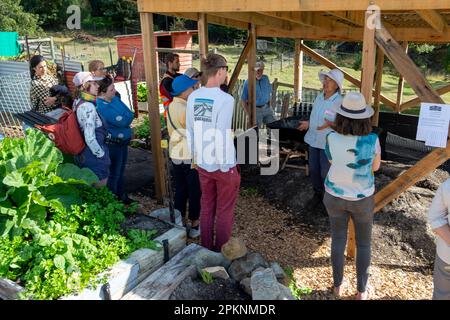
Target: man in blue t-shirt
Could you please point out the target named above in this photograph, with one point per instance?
(264, 113)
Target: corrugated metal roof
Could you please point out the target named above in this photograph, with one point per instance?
(13, 67)
(71, 65)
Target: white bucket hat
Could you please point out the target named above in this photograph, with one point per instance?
(354, 106)
(334, 74)
(259, 65)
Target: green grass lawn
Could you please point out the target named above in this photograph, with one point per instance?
(85, 52)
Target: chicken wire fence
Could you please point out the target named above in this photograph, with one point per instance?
(14, 98)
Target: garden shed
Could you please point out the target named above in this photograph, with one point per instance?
(130, 45)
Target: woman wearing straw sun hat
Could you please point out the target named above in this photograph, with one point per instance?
(355, 154)
(318, 126)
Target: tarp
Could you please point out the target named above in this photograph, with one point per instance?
(9, 46)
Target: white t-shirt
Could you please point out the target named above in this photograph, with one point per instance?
(209, 115)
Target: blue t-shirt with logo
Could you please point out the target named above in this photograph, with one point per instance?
(351, 176)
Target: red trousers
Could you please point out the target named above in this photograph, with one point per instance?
(219, 194)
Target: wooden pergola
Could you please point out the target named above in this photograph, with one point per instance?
(384, 26)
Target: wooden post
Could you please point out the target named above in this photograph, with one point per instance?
(202, 25)
(298, 70)
(148, 40)
(252, 76)
(401, 82)
(367, 73)
(239, 64)
(379, 78)
(273, 101)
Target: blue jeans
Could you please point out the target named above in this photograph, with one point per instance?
(118, 154)
(318, 168)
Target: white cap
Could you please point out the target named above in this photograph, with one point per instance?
(82, 77)
(259, 65)
(335, 75)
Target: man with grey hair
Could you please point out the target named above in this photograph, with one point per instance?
(264, 113)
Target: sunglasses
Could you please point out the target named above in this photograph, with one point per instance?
(226, 67)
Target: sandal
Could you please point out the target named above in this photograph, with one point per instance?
(366, 295)
(337, 291)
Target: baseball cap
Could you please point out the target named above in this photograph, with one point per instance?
(181, 84)
(193, 73)
(82, 77)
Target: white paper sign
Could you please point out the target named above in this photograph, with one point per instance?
(433, 124)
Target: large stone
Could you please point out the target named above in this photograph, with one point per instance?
(235, 248)
(217, 272)
(245, 285)
(285, 293)
(243, 267)
(278, 271)
(206, 258)
(264, 285)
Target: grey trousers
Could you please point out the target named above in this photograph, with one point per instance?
(441, 280)
(339, 212)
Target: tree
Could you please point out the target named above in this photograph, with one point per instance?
(120, 12)
(14, 18)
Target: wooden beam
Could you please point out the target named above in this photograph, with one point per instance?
(406, 67)
(252, 76)
(434, 19)
(378, 81)
(256, 19)
(239, 65)
(421, 169)
(302, 18)
(202, 25)
(368, 62)
(416, 101)
(285, 5)
(346, 33)
(425, 92)
(211, 19)
(401, 82)
(317, 57)
(355, 17)
(148, 41)
(298, 70)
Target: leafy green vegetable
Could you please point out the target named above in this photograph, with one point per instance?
(57, 233)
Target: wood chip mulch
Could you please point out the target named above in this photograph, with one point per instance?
(271, 232)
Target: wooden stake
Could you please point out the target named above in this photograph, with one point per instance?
(298, 70)
(239, 65)
(401, 82)
(379, 78)
(150, 63)
(252, 77)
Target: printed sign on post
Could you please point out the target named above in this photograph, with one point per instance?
(433, 124)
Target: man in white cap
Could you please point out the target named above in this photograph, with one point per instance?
(318, 126)
(264, 113)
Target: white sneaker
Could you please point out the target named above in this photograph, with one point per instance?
(194, 233)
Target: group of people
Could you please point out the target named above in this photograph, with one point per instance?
(344, 153)
(199, 115)
(104, 120)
